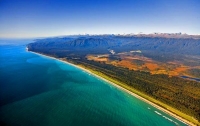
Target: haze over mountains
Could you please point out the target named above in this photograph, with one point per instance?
(162, 43)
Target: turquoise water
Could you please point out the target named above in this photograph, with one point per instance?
(40, 91)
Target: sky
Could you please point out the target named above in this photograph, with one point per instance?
(44, 18)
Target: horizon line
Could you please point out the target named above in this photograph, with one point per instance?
(88, 34)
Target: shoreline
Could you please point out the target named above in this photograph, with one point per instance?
(124, 89)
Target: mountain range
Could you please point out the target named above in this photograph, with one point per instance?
(100, 44)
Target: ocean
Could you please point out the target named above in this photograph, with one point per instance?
(39, 91)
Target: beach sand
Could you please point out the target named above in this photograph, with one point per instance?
(133, 94)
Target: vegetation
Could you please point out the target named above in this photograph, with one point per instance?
(195, 72)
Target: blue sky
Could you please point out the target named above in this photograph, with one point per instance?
(42, 18)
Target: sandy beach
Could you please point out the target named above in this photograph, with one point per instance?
(121, 88)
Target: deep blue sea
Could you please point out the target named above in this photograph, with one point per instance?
(40, 91)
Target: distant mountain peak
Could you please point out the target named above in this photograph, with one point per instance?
(162, 35)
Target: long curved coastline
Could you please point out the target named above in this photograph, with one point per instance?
(122, 88)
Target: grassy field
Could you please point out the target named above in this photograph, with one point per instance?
(142, 63)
